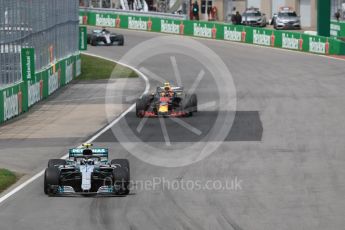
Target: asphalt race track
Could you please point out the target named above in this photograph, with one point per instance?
(284, 150)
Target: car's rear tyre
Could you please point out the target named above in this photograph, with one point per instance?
(123, 162)
(56, 162)
(190, 104)
(186, 106)
(194, 103)
(51, 178)
(121, 178)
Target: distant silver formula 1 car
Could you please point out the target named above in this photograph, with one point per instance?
(103, 36)
(87, 172)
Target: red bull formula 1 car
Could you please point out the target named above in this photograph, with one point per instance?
(167, 101)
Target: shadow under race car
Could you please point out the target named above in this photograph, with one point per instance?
(104, 36)
(162, 103)
(87, 172)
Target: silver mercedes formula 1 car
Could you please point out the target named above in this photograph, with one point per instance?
(105, 37)
(87, 172)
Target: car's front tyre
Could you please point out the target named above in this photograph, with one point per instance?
(139, 108)
(56, 162)
(93, 42)
(121, 41)
(51, 180)
(141, 105)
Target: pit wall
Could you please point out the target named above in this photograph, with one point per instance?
(220, 31)
(18, 98)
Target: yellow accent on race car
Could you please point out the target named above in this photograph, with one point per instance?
(87, 145)
(163, 109)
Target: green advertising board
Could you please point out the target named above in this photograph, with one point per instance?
(206, 30)
(100, 19)
(338, 29)
(287, 40)
(82, 38)
(171, 26)
(220, 31)
(13, 101)
(35, 86)
(234, 33)
(28, 63)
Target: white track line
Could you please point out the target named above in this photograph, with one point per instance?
(165, 131)
(176, 70)
(39, 174)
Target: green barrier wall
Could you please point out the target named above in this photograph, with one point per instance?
(258, 36)
(338, 29)
(18, 98)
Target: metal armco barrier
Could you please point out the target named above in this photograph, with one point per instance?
(213, 30)
(39, 51)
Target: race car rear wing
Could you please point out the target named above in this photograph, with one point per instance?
(174, 88)
(81, 152)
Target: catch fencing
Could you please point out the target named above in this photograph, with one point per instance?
(39, 51)
(338, 6)
(338, 24)
(49, 26)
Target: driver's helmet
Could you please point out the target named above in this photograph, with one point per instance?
(167, 86)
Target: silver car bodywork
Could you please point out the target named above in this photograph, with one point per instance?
(287, 20)
(254, 18)
(105, 37)
(87, 172)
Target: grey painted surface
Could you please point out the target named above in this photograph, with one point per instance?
(66, 118)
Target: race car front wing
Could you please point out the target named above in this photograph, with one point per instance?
(170, 114)
(69, 191)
